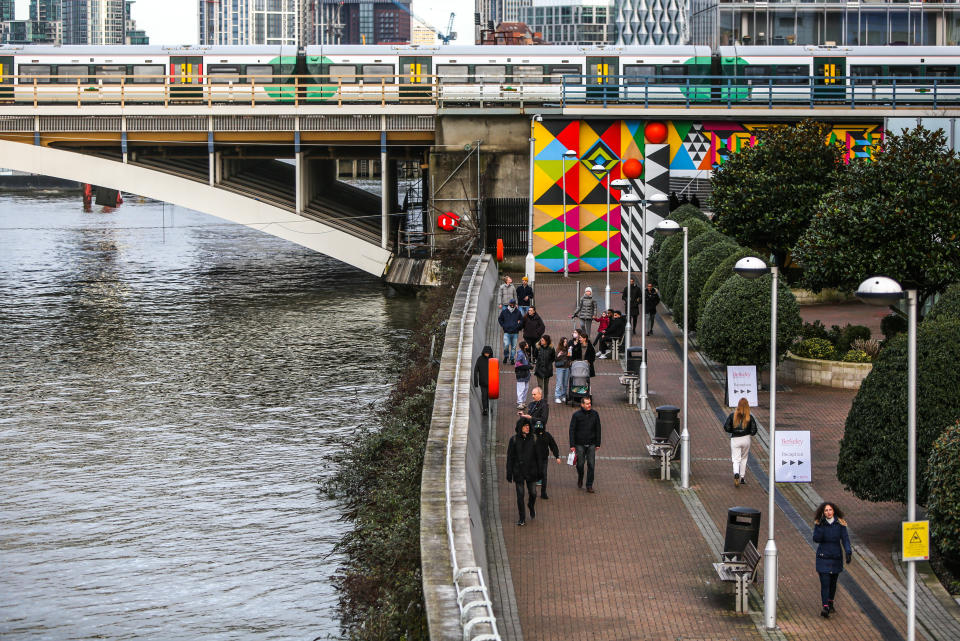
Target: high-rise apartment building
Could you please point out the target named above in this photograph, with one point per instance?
(7, 10)
(651, 22)
(132, 35)
(497, 11)
(250, 22)
(571, 22)
(93, 22)
(45, 16)
(358, 22)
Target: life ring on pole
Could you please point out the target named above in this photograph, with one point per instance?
(493, 378)
(499, 250)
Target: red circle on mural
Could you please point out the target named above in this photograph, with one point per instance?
(656, 132)
(632, 168)
(448, 221)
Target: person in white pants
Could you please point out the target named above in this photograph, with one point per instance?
(740, 426)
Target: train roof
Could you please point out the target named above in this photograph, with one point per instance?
(496, 50)
(813, 50)
(146, 50)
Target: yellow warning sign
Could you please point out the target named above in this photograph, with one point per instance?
(916, 540)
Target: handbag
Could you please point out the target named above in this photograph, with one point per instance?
(572, 458)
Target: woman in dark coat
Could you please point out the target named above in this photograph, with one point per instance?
(830, 532)
(583, 351)
(545, 356)
(533, 329)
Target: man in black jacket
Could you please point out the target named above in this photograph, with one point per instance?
(481, 376)
(652, 296)
(523, 468)
(545, 445)
(533, 329)
(538, 409)
(585, 439)
(615, 329)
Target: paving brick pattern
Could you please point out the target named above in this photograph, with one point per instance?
(632, 561)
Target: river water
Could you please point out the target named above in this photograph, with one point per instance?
(171, 390)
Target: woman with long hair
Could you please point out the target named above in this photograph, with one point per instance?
(740, 426)
(522, 369)
(562, 364)
(830, 533)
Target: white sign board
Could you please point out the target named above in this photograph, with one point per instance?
(742, 383)
(792, 457)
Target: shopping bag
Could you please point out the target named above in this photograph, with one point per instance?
(572, 458)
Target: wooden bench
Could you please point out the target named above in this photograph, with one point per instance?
(739, 568)
(664, 451)
(632, 383)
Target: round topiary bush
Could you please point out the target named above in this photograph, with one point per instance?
(856, 356)
(671, 251)
(948, 304)
(873, 451)
(734, 327)
(943, 467)
(819, 348)
(893, 324)
(673, 277)
(701, 268)
(721, 272)
(684, 212)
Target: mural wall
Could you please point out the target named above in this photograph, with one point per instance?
(570, 201)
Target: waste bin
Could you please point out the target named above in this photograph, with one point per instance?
(667, 421)
(634, 359)
(743, 524)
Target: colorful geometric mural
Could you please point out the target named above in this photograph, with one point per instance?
(570, 202)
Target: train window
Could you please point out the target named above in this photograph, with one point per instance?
(453, 74)
(259, 74)
(490, 73)
(144, 74)
(377, 74)
(38, 73)
(673, 71)
(528, 74)
(639, 74)
(756, 71)
(905, 74)
(948, 74)
(796, 75)
(557, 73)
(223, 74)
(345, 74)
(110, 74)
(865, 74)
(71, 73)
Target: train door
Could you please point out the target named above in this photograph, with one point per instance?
(6, 78)
(829, 79)
(186, 76)
(416, 79)
(602, 78)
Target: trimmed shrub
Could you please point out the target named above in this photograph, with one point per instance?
(844, 337)
(943, 467)
(673, 278)
(701, 268)
(948, 304)
(893, 324)
(816, 329)
(869, 345)
(856, 356)
(672, 252)
(719, 276)
(680, 214)
(873, 461)
(734, 328)
(818, 348)
(684, 212)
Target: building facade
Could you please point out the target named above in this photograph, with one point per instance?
(132, 35)
(7, 11)
(869, 22)
(651, 22)
(497, 11)
(93, 22)
(359, 22)
(571, 22)
(421, 34)
(250, 22)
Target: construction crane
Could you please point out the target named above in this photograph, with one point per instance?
(445, 37)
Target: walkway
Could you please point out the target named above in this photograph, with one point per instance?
(633, 560)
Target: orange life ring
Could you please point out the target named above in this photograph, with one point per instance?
(493, 378)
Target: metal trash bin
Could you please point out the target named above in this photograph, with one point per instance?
(743, 524)
(667, 421)
(634, 359)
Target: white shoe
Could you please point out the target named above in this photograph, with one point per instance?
(604, 355)
(557, 400)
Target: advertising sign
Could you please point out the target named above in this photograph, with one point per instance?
(916, 540)
(792, 457)
(742, 383)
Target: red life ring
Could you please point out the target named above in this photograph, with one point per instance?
(493, 378)
(500, 250)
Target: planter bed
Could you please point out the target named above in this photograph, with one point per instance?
(811, 371)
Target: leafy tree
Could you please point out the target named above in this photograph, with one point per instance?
(765, 196)
(719, 276)
(873, 451)
(898, 216)
(701, 268)
(948, 305)
(734, 328)
(944, 467)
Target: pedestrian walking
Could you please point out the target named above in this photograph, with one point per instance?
(533, 328)
(586, 310)
(652, 299)
(740, 426)
(546, 355)
(506, 291)
(522, 369)
(584, 351)
(830, 533)
(523, 468)
(510, 321)
(562, 365)
(524, 295)
(585, 439)
(546, 445)
(481, 377)
(538, 411)
(632, 305)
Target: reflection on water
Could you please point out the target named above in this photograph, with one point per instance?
(169, 398)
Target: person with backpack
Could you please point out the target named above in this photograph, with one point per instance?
(510, 322)
(521, 369)
(523, 468)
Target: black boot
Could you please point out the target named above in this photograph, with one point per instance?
(825, 612)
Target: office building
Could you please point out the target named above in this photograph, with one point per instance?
(45, 16)
(7, 11)
(250, 22)
(359, 22)
(497, 11)
(92, 22)
(651, 22)
(571, 22)
(132, 35)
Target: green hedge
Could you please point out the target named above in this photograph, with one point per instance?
(948, 304)
(873, 451)
(818, 348)
(719, 276)
(674, 273)
(672, 264)
(893, 324)
(734, 328)
(701, 268)
(681, 214)
(944, 506)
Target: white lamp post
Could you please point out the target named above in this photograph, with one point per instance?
(627, 200)
(654, 199)
(599, 170)
(751, 267)
(531, 261)
(669, 228)
(569, 153)
(880, 290)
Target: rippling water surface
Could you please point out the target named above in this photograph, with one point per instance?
(171, 390)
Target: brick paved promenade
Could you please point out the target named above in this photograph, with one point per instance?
(633, 560)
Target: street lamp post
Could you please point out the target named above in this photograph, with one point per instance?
(530, 267)
(599, 170)
(669, 228)
(569, 153)
(751, 267)
(880, 290)
(654, 199)
(628, 200)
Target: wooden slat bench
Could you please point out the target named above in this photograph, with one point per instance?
(739, 568)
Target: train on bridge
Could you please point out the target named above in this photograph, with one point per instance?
(482, 75)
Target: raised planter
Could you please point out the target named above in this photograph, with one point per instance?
(810, 371)
(807, 297)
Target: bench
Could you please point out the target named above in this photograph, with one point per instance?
(632, 383)
(615, 346)
(739, 568)
(664, 451)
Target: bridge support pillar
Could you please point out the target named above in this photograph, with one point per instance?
(300, 184)
(385, 192)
